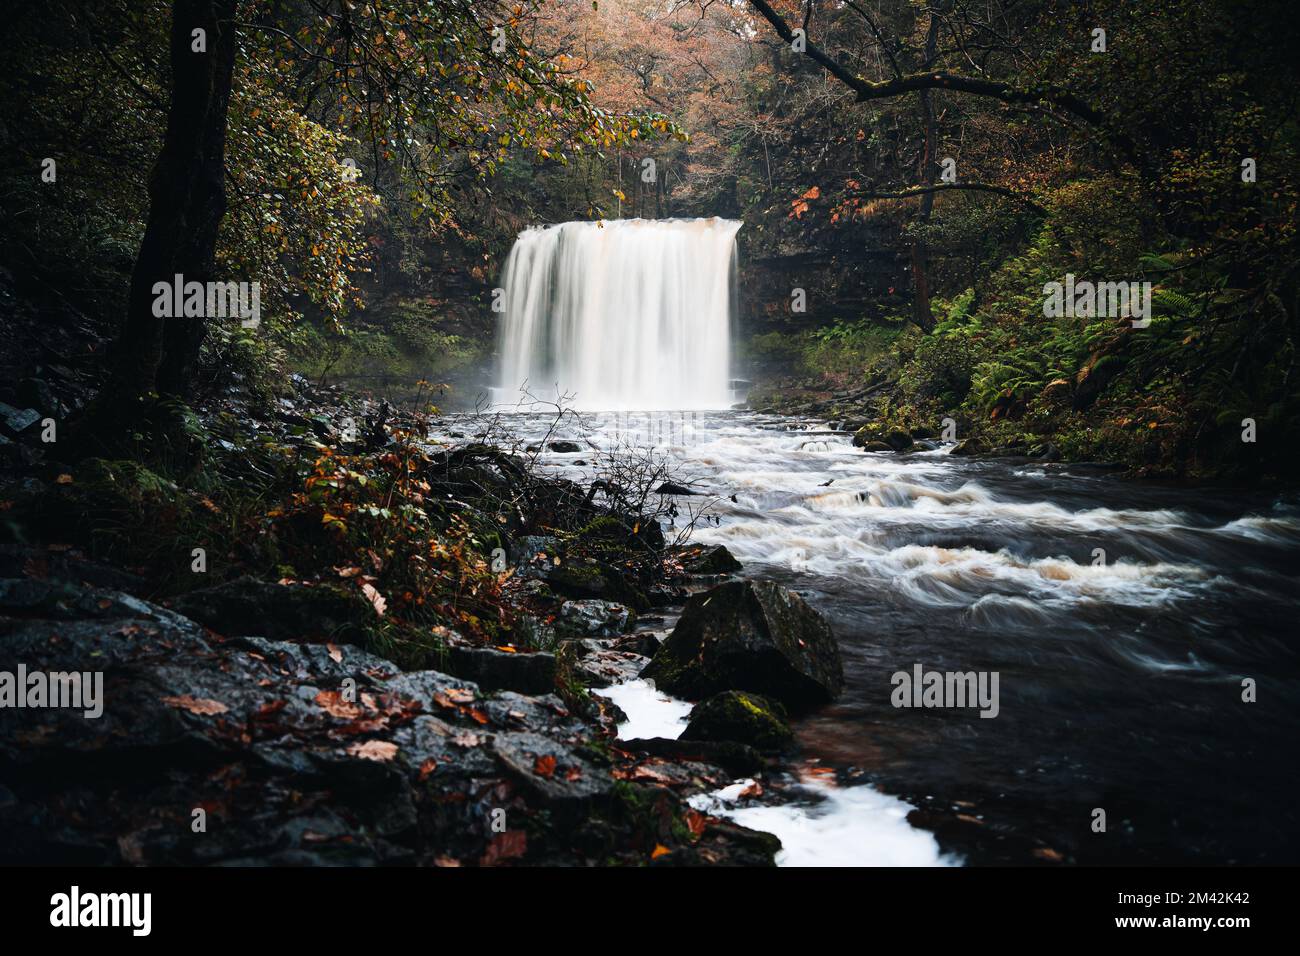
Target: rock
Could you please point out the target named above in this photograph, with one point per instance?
(564, 447)
(969, 446)
(289, 768)
(871, 437)
(15, 421)
(925, 444)
(589, 578)
(705, 559)
(672, 488)
(738, 760)
(743, 718)
(1045, 452)
(247, 606)
(493, 669)
(36, 393)
(750, 635)
(552, 771)
(595, 618)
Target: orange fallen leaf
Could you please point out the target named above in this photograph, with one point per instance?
(545, 766)
(376, 599)
(380, 750)
(505, 846)
(659, 850)
(196, 705)
(336, 655)
(332, 702)
(696, 822)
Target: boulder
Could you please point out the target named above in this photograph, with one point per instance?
(894, 439)
(706, 559)
(969, 446)
(564, 447)
(494, 669)
(750, 635)
(595, 618)
(247, 606)
(740, 717)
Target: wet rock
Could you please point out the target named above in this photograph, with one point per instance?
(564, 447)
(15, 421)
(552, 771)
(672, 488)
(737, 759)
(895, 439)
(596, 664)
(591, 578)
(741, 717)
(750, 635)
(877, 446)
(595, 618)
(1045, 452)
(969, 446)
(247, 606)
(493, 669)
(705, 559)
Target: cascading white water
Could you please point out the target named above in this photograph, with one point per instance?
(629, 314)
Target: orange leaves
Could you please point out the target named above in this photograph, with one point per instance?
(332, 702)
(378, 750)
(800, 205)
(544, 766)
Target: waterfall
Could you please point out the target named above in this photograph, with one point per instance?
(629, 314)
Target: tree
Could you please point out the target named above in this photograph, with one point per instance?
(436, 92)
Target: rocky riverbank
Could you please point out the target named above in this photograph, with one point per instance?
(325, 639)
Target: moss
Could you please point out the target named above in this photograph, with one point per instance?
(743, 718)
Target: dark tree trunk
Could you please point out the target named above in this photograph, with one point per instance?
(187, 200)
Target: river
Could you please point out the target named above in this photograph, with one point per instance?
(1121, 617)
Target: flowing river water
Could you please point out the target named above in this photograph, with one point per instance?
(1121, 617)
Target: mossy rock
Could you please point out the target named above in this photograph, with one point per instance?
(741, 717)
(293, 612)
(750, 635)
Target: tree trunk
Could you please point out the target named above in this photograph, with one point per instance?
(187, 200)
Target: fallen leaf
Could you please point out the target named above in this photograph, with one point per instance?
(336, 655)
(505, 846)
(545, 766)
(696, 822)
(332, 702)
(196, 705)
(376, 599)
(380, 750)
(428, 767)
(660, 850)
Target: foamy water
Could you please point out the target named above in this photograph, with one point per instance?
(1122, 617)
